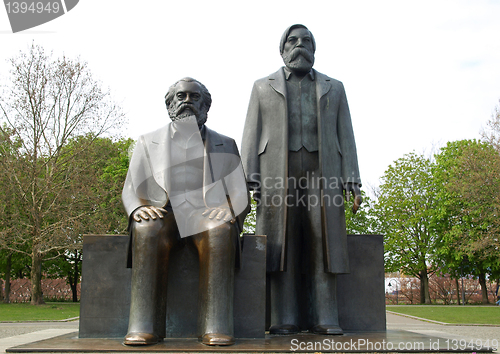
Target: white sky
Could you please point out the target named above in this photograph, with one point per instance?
(417, 73)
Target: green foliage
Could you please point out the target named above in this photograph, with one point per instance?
(105, 163)
(52, 112)
(18, 264)
(365, 221)
(250, 220)
(468, 174)
(405, 207)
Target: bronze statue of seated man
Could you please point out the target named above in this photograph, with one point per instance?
(184, 181)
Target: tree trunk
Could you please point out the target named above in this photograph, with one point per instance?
(73, 279)
(76, 276)
(425, 297)
(484, 289)
(422, 290)
(496, 296)
(8, 268)
(457, 286)
(36, 278)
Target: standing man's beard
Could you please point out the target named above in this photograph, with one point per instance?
(299, 59)
(186, 110)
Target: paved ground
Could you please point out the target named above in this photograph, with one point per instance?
(467, 333)
(12, 334)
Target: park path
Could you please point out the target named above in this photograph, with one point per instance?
(12, 334)
(467, 333)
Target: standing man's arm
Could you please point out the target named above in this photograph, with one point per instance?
(251, 141)
(350, 170)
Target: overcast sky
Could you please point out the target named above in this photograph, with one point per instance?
(417, 73)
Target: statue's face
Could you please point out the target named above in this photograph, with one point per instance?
(187, 100)
(298, 52)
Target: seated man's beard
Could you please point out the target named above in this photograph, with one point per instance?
(299, 59)
(187, 110)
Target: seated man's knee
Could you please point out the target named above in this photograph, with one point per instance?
(148, 228)
(221, 236)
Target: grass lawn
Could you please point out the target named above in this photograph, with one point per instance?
(452, 314)
(51, 311)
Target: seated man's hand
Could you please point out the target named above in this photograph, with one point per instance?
(146, 212)
(219, 214)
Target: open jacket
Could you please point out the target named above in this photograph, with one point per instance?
(147, 181)
(265, 155)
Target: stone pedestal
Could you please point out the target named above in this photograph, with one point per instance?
(105, 297)
(361, 293)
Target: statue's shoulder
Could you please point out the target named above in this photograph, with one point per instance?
(156, 135)
(264, 82)
(327, 78)
(218, 137)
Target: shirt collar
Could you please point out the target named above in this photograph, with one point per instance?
(174, 131)
(288, 73)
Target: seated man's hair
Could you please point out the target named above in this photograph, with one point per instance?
(207, 98)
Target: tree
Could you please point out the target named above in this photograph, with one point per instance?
(9, 261)
(491, 134)
(106, 164)
(365, 220)
(48, 102)
(405, 208)
(468, 175)
(251, 218)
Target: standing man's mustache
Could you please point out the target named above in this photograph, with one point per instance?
(301, 51)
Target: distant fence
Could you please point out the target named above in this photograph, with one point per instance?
(52, 289)
(443, 290)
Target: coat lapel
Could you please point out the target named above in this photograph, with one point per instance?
(159, 151)
(214, 148)
(323, 84)
(277, 82)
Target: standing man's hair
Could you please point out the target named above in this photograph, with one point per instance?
(285, 35)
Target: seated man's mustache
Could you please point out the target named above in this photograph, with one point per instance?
(301, 51)
(184, 106)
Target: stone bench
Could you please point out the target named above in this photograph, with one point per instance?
(105, 294)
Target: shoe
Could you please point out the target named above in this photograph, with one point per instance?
(217, 339)
(284, 329)
(327, 329)
(135, 338)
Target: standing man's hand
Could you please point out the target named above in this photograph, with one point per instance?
(353, 188)
(147, 212)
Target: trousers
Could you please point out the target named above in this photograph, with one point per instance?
(304, 295)
(152, 242)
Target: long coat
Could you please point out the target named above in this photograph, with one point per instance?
(265, 161)
(147, 179)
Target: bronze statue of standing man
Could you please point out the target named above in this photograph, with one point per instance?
(299, 156)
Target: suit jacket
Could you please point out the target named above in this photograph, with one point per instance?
(147, 179)
(265, 161)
